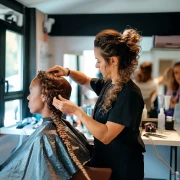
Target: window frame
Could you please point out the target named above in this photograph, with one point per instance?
(21, 95)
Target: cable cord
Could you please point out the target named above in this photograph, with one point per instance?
(176, 173)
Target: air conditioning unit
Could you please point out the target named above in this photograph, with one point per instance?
(167, 41)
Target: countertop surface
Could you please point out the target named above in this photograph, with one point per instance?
(172, 137)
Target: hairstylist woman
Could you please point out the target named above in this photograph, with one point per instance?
(117, 114)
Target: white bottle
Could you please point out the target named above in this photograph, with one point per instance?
(161, 121)
(144, 113)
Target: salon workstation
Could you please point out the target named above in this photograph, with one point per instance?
(42, 35)
(169, 139)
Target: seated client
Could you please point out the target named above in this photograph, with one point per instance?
(55, 150)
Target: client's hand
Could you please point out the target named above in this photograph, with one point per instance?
(64, 105)
(58, 71)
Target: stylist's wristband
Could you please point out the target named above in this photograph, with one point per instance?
(68, 72)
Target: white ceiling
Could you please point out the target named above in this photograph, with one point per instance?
(102, 6)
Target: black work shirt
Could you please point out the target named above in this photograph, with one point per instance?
(127, 147)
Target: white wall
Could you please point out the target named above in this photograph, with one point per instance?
(77, 44)
(61, 45)
(43, 49)
(69, 45)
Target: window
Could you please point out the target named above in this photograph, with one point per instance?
(11, 66)
(13, 75)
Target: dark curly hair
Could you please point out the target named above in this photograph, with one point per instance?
(126, 47)
(52, 87)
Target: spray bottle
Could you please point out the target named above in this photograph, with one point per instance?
(161, 121)
(144, 113)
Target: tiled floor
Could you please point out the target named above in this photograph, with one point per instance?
(153, 179)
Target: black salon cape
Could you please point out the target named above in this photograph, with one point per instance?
(43, 156)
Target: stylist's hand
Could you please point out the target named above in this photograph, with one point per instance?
(64, 105)
(58, 71)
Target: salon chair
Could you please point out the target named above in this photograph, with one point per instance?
(94, 173)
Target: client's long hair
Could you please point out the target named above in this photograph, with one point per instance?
(52, 87)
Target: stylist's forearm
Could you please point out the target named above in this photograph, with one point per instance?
(98, 130)
(79, 77)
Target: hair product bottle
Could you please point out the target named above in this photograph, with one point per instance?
(161, 121)
(144, 113)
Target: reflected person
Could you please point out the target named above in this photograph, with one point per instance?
(174, 85)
